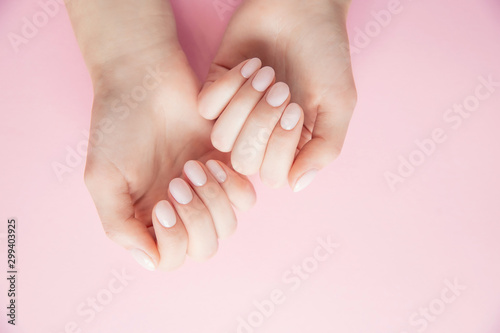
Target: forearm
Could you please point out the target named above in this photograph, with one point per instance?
(110, 32)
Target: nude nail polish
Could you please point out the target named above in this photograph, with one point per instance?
(278, 94)
(143, 259)
(165, 214)
(181, 191)
(250, 67)
(217, 171)
(195, 173)
(263, 79)
(291, 117)
(305, 180)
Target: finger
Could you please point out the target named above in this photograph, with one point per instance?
(213, 196)
(231, 121)
(330, 129)
(305, 137)
(238, 188)
(202, 242)
(109, 190)
(282, 147)
(250, 146)
(171, 236)
(215, 96)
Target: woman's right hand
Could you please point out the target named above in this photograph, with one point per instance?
(145, 127)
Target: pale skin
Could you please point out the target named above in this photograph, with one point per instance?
(255, 121)
(146, 169)
(305, 42)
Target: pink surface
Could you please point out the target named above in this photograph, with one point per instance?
(398, 249)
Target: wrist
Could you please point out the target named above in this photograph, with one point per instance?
(126, 69)
(342, 3)
(122, 33)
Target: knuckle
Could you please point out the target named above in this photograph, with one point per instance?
(331, 152)
(248, 201)
(219, 141)
(90, 176)
(351, 99)
(335, 152)
(172, 265)
(272, 181)
(230, 228)
(205, 255)
(245, 161)
(210, 253)
(110, 233)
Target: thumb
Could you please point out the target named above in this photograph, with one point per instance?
(214, 97)
(111, 196)
(329, 132)
(221, 86)
(215, 72)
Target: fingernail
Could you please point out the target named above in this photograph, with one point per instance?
(195, 173)
(291, 117)
(263, 79)
(165, 214)
(180, 191)
(278, 94)
(217, 171)
(250, 67)
(143, 259)
(305, 180)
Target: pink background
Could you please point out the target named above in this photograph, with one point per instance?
(397, 248)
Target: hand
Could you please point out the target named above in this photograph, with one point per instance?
(305, 43)
(144, 128)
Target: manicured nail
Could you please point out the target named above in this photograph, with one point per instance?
(143, 259)
(291, 117)
(180, 191)
(263, 79)
(305, 180)
(250, 67)
(217, 171)
(278, 94)
(165, 214)
(195, 173)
